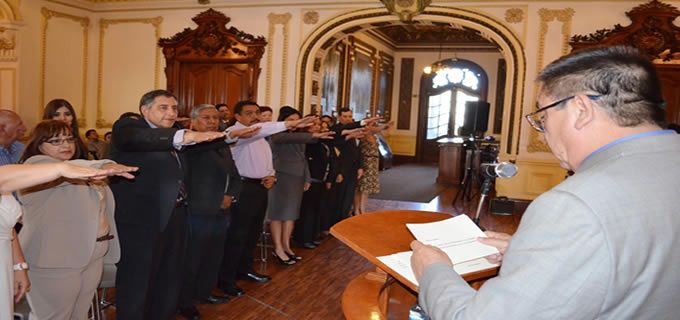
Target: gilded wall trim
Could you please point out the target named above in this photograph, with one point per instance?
(7, 45)
(274, 19)
(14, 86)
(103, 25)
(48, 14)
(536, 144)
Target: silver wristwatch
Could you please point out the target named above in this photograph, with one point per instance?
(20, 266)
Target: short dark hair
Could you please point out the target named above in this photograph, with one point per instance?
(287, 111)
(148, 98)
(345, 109)
(44, 131)
(220, 105)
(265, 109)
(625, 79)
(134, 115)
(87, 133)
(239, 105)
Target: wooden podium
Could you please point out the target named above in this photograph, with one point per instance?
(376, 295)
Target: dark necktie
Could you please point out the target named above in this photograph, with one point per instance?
(182, 194)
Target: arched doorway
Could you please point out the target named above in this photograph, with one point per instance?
(315, 47)
(443, 100)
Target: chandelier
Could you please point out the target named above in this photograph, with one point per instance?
(406, 9)
(438, 67)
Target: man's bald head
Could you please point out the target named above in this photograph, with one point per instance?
(11, 127)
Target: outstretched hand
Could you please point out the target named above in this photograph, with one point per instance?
(191, 137)
(72, 171)
(324, 135)
(301, 123)
(246, 132)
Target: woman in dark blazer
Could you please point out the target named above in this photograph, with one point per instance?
(321, 160)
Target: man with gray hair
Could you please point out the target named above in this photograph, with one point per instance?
(151, 210)
(604, 243)
(11, 130)
(214, 183)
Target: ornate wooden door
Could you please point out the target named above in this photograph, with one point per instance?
(212, 64)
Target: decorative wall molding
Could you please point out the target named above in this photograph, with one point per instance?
(274, 19)
(7, 45)
(514, 15)
(103, 25)
(536, 144)
(13, 90)
(310, 17)
(48, 14)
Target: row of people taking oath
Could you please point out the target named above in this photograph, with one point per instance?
(193, 188)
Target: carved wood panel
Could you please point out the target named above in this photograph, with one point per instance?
(653, 32)
(212, 64)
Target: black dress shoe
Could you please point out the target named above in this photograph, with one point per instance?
(232, 290)
(214, 299)
(309, 245)
(286, 262)
(190, 313)
(294, 257)
(254, 276)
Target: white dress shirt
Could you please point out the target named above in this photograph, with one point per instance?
(253, 156)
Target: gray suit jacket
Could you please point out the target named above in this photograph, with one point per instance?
(603, 244)
(61, 220)
(288, 151)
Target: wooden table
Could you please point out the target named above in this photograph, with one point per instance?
(378, 234)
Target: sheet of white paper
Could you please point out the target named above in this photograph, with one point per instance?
(456, 236)
(400, 262)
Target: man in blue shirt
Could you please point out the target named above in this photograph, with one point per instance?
(11, 130)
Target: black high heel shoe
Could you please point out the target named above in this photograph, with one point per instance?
(288, 262)
(294, 257)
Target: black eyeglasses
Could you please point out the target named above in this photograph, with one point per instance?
(57, 142)
(536, 118)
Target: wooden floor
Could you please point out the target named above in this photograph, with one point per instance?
(312, 288)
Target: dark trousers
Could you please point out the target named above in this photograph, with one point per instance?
(148, 278)
(328, 202)
(247, 217)
(308, 226)
(205, 248)
(345, 196)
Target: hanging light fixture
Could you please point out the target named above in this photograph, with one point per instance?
(406, 9)
(437, 67)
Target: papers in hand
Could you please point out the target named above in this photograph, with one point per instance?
(456, 236)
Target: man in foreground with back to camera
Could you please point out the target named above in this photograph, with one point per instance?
(603, 243)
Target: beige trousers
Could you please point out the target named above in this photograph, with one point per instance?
(63, 294)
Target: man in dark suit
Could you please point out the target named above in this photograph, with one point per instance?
(151, 212)
(349, 161)
(214, 183)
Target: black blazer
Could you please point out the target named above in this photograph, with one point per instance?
(149, 199)
(321, 160)
(350, 153)
(210, 169)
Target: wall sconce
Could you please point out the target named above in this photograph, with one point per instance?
(406, 9)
